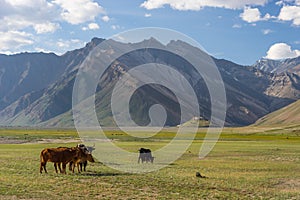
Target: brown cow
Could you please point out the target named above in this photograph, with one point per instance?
(82, 162)
(60, 155)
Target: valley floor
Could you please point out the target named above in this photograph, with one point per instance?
(246, 163)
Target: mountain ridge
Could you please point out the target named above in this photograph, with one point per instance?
(291, 65)
(251, 92)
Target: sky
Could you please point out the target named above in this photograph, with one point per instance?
(242, 31)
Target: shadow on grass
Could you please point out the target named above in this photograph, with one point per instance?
(99, 174)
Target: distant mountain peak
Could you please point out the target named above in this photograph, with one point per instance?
(94, 42)
(291, 65)
(152, 40)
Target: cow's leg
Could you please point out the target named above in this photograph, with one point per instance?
(78, 167)
(84, 165)
(45, 168)
(149, 157)
(71, 165)
(41, 168)
(143, 157)
(139, 158)
(81, 166)
(64, 167)
(43, 165)
(55, 167)
(59, 168)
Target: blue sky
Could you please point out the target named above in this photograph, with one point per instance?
(242, 31)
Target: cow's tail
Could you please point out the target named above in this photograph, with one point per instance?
(41, 157)
(41, 162)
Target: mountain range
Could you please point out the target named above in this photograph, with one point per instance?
(36, 88)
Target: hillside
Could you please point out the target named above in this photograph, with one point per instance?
(29, 99)
(287, 116)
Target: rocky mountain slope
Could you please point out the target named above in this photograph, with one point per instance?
(27, 72)
(291, 65)
(36, 88)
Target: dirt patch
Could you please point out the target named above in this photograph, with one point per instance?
(289, 184)
(12, 141)
(45, 141)
(5, 140)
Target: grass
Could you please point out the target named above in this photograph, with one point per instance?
(258, 164)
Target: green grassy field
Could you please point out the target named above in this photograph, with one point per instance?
(246, 163)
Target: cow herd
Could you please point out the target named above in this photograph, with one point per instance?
(61, 156)
(78, 157)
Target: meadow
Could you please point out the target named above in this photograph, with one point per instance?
(246, 163)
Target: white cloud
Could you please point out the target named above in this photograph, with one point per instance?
(147, 15)
(19, 14)
(46, 27)
(38, 49)
(290, 13)
(105, 18)
(17, 17)
(279, 3)
(115, 27)
(79, 11)
(251, 15)
(66, 44)
(268, 16)
(237, 26)
(281, 51)
(199, 4)
(91, 26)
(19, 2)
(13, 40)
(286, 2)
(62, 44)
(23, 20)
(266, 31)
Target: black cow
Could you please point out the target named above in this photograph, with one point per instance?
(145, 155)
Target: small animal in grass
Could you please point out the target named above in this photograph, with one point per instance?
(198, 175)
(145, 155)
